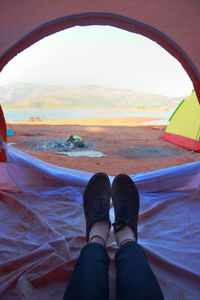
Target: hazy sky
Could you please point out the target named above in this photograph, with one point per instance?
(100, 55)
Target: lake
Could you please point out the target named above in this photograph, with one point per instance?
(24, 115)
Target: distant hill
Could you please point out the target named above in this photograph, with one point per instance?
(35, 96)
(19, 91)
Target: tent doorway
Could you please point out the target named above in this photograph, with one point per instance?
(129, 152)
(106, 19)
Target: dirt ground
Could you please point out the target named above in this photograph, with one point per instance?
(129, 146)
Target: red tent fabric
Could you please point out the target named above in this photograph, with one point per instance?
(172, 24)
(3, 135)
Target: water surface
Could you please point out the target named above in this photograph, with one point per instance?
(24, 115)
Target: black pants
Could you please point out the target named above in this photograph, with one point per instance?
(134, 277)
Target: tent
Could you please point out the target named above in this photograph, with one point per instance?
(41, 213)
(5, 129)
(3, 136)
(184, 124)
(43, 227)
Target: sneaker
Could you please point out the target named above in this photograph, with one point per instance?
(125, 198)
(96, 201)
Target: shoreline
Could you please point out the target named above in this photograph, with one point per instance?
(97, 109)
(115, 121)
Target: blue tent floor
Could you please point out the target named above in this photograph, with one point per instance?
(42, 222)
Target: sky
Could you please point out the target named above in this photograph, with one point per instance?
(99, 55)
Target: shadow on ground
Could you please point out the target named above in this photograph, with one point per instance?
(149, 152)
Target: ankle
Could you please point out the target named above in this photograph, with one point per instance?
(124, 235)
(97, 239)
(99, 233)
(125, 241)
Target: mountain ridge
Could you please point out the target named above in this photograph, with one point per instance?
(37, 96)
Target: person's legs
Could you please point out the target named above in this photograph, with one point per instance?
(89, 280)
(134, 277)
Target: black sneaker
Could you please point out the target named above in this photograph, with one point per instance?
(125, 198)
(96, 201)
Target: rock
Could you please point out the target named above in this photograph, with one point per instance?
(79, 144)
(70, 144)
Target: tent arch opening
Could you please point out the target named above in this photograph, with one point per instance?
(106, 19)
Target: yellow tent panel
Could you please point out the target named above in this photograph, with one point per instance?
(184, 125)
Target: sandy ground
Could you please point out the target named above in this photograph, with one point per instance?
(130, 147)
